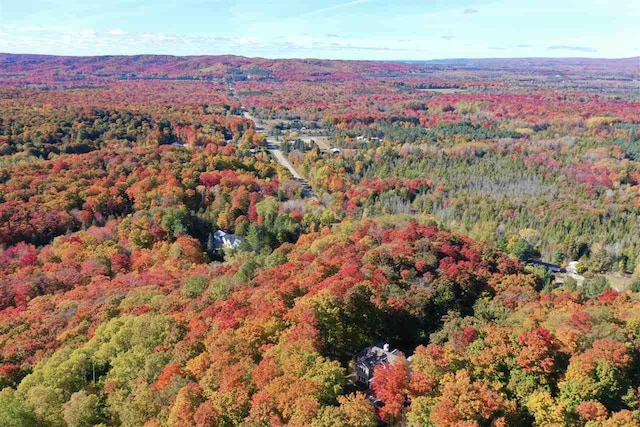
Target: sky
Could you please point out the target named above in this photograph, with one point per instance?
(333, 29)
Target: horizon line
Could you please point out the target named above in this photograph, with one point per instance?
(330, 59)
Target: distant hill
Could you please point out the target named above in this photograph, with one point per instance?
(240, 68)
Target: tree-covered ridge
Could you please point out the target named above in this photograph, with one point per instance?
(176, 342)
(200, 328)
(40, 122)
(529, 73)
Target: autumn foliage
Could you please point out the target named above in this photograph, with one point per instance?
(118, 306)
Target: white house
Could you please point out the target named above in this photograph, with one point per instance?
(222, 239)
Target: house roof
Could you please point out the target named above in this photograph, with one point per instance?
(219, 234)
(225, 239)
(376, 355)
(551, 267)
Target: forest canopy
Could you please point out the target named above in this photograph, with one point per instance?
(161, 265)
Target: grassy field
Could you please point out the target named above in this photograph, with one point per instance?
(618, 281)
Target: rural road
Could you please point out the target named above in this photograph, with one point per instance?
(272, 146)
(274, 150)
(277, 154)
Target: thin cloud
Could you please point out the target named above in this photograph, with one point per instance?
(573, 48)
(337, 36)
(471, 10)
(448, 37)
(336, 46)
(335, 7)
(524, 45)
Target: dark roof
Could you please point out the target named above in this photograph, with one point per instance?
(376, 355)
(551, 267)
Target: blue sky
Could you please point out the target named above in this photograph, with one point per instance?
(340, 29)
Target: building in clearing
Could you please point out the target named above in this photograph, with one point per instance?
(222, 239)
(551, 267)
(369, 358)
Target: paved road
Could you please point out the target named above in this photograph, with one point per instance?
(274, 149)
(282, 159)
(256, 123)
